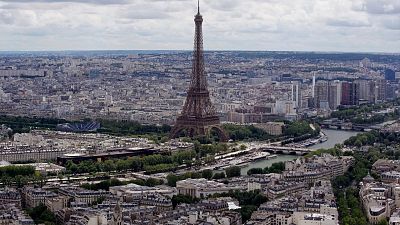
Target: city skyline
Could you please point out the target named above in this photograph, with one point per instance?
(345, 26)
(160, 137)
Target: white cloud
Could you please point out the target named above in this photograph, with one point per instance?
(316, 25)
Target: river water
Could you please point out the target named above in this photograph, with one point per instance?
(334, 137)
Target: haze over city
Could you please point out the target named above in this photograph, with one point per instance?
(287, 25)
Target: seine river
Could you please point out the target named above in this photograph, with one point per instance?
(334, 137)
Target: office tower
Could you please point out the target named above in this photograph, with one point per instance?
(380, 90)
(198, 116)
(335, 94)
(296, 95)
(350, 93)
(390, 75)
(313, 85)
(321, 94)
(367, 90)
(391, 91)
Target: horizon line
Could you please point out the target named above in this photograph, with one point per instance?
(211, 50)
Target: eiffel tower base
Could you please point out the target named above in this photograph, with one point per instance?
(196, 128)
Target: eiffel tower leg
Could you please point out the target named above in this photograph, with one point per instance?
(192, 132)
(175, 131)
(220, 132)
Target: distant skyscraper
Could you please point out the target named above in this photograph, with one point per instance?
(350, 93)
(367, 90)
(380, 90)
(313, 85)
(390, 75)
(335, 94)
(391, 91)
(198, 116)
(321, 94)
(296, 95)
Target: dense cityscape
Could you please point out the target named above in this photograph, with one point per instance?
(151, 87)
(199, 138)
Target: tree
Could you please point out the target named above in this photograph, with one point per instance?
(238, 132)
(41, 214)
(249, 201)
(298, 128)
(17, 170)
(277, 167)
(41, 179)
(21, 181)
(255, 171)
(178, 199)
(71, 167)
(233, 171)
(151, 182)
(172, 179)
(207, 174)
(135, 164)
(341, 181)
(383, 222)
(218, 176)
(122, 165)
(109, 166)
(246, 211)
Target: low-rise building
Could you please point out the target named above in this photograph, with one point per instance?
(301, 218)
(314, 206)
(201, 188)
(278, 188)
(211, 218)
(159, 201)
(316, 168)
(386, 165)
(26, 153)
(57, 203)
(92, 218)
(10, 196)
(78, 194)
(35, 196)
(390, 177)
(10, 214)
(377, 202)
(395, 218)
(134, 192)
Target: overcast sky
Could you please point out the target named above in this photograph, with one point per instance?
(300, 25)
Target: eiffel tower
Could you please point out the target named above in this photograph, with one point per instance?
(198, 117)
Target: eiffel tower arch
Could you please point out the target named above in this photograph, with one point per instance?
(198, 117)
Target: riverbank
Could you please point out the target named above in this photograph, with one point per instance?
(267, 162)
(322, 137)
(333, 137)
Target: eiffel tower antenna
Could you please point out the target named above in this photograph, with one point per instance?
(198, 117)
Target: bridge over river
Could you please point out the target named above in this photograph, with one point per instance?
(283, 149)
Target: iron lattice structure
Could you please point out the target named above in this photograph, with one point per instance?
(198, 117)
